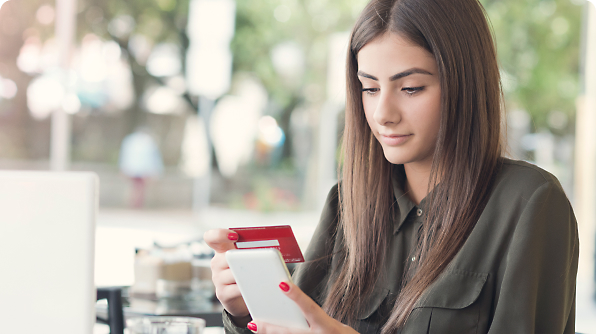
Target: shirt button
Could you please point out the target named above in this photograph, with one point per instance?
(419, 212)
(413, 258)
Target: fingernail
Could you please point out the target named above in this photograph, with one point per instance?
(252, 326)
(284, 286)
(233, 236)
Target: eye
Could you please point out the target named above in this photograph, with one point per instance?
(412, 90)
(370, 91)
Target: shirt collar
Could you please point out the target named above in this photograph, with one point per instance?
(404, 204)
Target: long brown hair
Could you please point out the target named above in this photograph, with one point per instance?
(465, 160)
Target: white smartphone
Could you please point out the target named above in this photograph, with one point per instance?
(258, 273)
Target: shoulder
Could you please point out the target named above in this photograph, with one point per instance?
(531, 208)
(312, 275)
(522, 179)
(333, 195)
(330, 214)
(525, 173)
(324, 238)
(527, 212)
(523, 191)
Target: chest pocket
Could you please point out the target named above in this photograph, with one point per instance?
(372, 304)
(450, 305)
(369, 315)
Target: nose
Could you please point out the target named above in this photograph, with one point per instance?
(386, 111)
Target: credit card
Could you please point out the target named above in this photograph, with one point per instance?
(279, 237)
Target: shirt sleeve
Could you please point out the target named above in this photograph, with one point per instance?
(230, 327)
(312, 275)
(537, 283)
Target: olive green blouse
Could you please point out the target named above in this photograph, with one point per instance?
(515, 273)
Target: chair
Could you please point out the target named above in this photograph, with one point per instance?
(115, 318)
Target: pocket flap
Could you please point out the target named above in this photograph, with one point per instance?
(373, 303)
(454, 289)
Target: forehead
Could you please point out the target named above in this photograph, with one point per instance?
(391, 53)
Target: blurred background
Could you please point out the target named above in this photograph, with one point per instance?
(263, 79)
(217, 113)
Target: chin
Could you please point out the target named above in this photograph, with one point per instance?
(395, 159)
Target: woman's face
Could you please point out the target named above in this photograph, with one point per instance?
(402, 98)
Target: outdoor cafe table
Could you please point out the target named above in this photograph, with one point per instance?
(136, 306)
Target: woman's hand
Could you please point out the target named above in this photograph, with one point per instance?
(226, 290)
(318, 320)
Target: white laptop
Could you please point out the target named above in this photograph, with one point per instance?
(47, 238)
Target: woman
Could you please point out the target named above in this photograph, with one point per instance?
(430, 230)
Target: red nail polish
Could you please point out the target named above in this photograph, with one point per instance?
(252, 326)
(233, 236)
(284, 286)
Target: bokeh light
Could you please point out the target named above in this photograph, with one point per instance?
(8, 89)
(164, 60)
(163, 100)
(30, 56)
(45, 14)
(44, 95)
(269, 132)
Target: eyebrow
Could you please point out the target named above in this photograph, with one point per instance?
(396, 76)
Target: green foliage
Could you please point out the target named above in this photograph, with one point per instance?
(538, 44)
(159, 20)
(309, 23)
(538, 47)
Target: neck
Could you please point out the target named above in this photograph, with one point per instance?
(417, 178)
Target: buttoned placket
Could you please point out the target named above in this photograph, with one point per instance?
(415, 219)
(418, 220)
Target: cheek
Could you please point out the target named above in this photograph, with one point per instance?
(434, 124)
(429, 114)
(435, 107)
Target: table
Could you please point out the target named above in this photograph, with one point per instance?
(134, 306)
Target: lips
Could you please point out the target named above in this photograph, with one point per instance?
(395, 139)
(394, 135)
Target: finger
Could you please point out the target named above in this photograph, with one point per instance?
(228, 293)
(224, 277)
(220, 239)
(265, 328)
(311, 310)
(219, 262)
